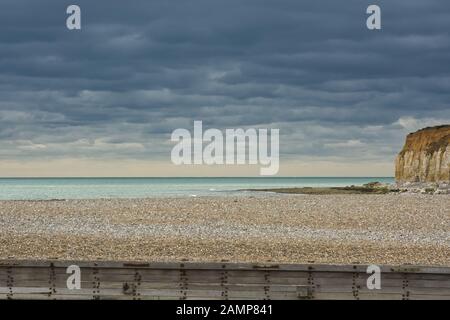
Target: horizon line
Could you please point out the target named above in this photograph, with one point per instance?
(189, 177)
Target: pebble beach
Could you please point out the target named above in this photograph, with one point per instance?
(331, 229)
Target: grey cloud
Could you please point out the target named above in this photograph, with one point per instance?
(138, 70)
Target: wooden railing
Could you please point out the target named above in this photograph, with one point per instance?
(188, 280)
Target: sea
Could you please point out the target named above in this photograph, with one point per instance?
(97, 188)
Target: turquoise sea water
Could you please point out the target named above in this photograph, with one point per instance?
(92, 188)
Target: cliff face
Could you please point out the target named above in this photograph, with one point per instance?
(425, 156)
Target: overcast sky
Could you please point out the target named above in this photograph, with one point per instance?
(342, 96)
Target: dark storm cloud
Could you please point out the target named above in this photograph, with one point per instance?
(139, 69)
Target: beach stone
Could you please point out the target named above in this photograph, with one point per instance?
(394, 228)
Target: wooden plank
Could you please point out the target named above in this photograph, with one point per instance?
(161, 280)
(228, 265)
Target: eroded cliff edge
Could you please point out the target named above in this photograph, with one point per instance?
(425, 156)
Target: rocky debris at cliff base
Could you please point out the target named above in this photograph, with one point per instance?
(368, 188)
(424, 187)
(410, 187)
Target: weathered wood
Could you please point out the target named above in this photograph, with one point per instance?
(192, 280)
